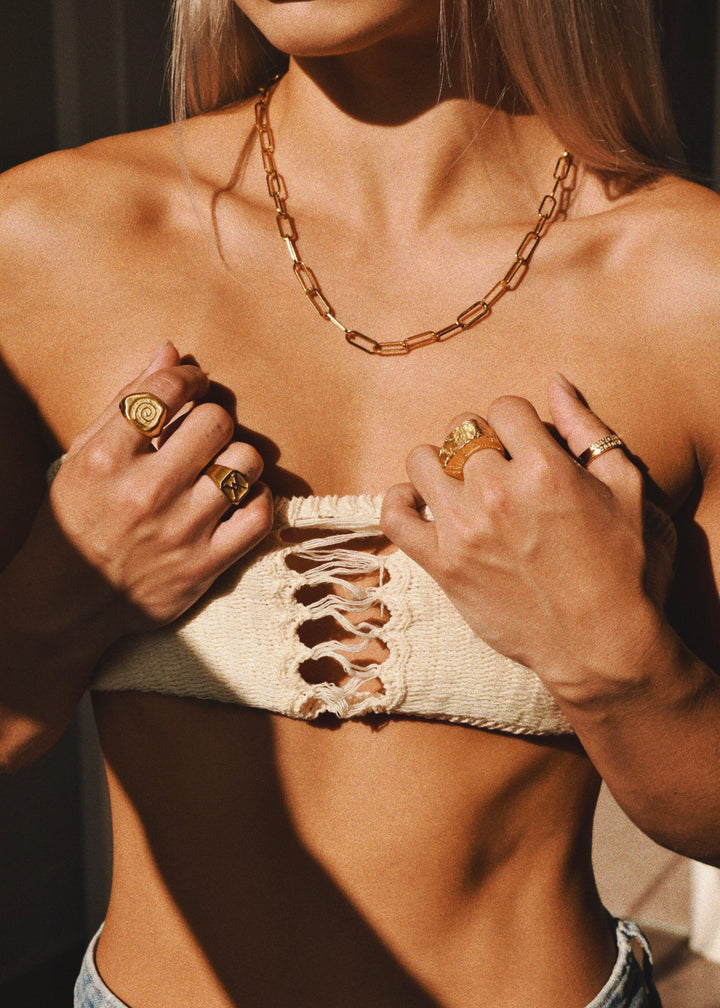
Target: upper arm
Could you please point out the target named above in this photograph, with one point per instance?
(695, 598)
(70, 223)
(36, 224)
(25, 444)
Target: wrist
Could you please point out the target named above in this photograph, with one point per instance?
(639, 659)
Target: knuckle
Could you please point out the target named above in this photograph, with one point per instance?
(242, 456)
(390, 521)
(413, 457)
(506, 403)
(253, 461)
(539, 469)
(461, 418)
(421, 459)
(137, 500)
(495, 498)
(467, 532)
(217, 419)
(171, 386)
(97, 459)
(260, 512)
(506, 408)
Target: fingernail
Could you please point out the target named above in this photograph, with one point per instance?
(564, 383)
(158, 353)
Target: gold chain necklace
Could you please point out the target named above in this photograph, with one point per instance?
(467, 318)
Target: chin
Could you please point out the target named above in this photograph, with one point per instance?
(307, 28)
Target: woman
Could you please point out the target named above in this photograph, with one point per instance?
(363, 850)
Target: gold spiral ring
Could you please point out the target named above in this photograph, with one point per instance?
(145, 412)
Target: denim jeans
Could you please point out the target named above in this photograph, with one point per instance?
(630, 985)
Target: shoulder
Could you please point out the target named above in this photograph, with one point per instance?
(659, 251)
(101, 249)
(58, 213)
(670, 276)
(674, 223)
(75, 223)
(667, 229)
(647, 270)
(113, 189)
(68, 196)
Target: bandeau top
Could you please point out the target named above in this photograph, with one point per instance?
(241, 643)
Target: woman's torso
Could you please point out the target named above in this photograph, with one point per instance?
(260, 860)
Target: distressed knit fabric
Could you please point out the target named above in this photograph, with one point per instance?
(327, 563)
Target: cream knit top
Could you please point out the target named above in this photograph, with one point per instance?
(324, 561)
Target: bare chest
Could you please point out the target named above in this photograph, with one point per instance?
(329, 418)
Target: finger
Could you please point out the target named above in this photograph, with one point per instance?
(517, 424)
(430, 481)
(244, 529)
(402, 522)
(208, 498)
(580, 427)
(167, 356)
(195, 440)
(175, 387)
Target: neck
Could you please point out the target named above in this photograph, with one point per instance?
(370, 130)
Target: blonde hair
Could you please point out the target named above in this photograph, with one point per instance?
(590, 68)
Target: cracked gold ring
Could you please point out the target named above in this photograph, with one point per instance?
(145, 412)
(231, 482)
(606, 443)
(463, 441)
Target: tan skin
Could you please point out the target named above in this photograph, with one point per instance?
(259, 860)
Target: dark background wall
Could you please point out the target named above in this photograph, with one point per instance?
(74, 70)
(70, 71)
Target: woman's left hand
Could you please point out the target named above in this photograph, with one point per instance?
(544, 559)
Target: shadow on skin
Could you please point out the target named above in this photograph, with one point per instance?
(274, 926)
(278, 931)
(696, 622)
(281, 481)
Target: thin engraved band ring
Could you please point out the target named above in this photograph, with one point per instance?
(606, 443)
(231, 482)
(145, 412)
(468, 437)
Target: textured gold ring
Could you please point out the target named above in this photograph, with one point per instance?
(231, 482)
(606, 443)
(463, 441)
(145, 412)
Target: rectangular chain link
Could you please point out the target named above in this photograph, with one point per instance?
(473, 314)
(467, 318)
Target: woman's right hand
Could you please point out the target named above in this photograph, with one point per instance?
(143, 518)
(128, 538)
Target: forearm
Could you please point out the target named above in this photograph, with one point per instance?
(656, 743)
(53, 630)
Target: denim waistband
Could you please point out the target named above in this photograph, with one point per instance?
(630, 984)
(90, 990)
